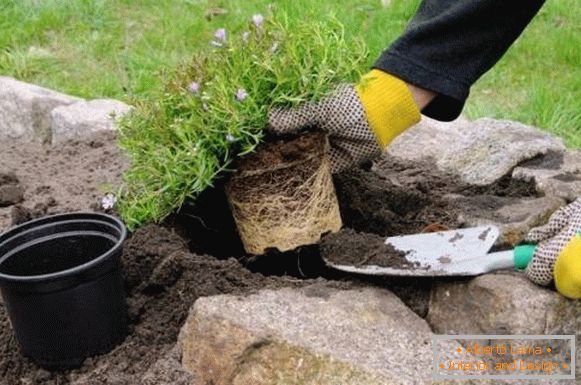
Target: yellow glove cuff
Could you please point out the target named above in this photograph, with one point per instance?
(567, 270)
(388, 103)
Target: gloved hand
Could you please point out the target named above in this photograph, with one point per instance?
(558, 253)
(360, 120)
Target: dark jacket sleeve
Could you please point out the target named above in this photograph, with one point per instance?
(449, 44)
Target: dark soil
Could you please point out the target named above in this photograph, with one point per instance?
(167, 268)
(549, 161)
(163, 279)
(396, 198)
(208, 224)
(349, 247)
(282, 151)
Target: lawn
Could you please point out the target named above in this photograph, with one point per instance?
(122, 48)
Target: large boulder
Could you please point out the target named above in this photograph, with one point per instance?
(83, 118)
(312, 335)
(428, 139)
(25, 110)
(480, 152)
(556, 174)
(502, 303)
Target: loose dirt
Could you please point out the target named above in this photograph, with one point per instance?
(70, 176)
(166, 268)
(163, 279)
(396, 198)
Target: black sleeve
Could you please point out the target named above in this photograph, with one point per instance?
(449, 44)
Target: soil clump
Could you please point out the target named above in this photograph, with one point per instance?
(11, 192)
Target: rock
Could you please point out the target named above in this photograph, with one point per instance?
(84, 118)
(493, 148)
(480, 152)
(25, 110)
(494, 298)
(514, 216)
(502, 304)
(555, 174)
(428, 139)
(313, 335)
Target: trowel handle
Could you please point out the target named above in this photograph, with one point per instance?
(518, 258)
(523, 255)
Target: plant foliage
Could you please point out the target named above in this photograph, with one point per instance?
(215, 108)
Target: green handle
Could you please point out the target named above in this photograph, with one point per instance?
(523, 255)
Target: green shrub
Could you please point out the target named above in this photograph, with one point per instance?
(215, 108)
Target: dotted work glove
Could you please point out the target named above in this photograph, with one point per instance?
(360, 120)
(558, 253)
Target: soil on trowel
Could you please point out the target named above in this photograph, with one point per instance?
(162, 279)
(348, 247)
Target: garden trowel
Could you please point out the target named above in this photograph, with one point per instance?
(462, 252)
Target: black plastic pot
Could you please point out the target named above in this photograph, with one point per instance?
(61, 282)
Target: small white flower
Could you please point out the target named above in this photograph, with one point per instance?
(258, 20)
(245, 36)
(230, 138)
(241, 94)
(194, 87)
(108, 201)
(221, 35)
(274, 47)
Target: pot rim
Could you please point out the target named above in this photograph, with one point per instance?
(55, 219)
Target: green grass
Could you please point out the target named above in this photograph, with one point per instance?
(119, 49)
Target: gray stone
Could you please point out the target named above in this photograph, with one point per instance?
(84, 118)
(429, 139)
(313, 335)
(514, 216)
(480, 152)
(555, 174)
(494, 148)
(25, 110)
(503, 304)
